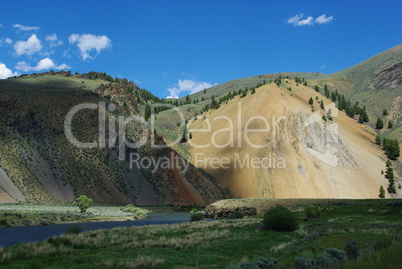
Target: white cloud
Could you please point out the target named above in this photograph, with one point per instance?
(308, 21)
(189, 86)
(323, 19)
(53, 40)
(297, 20)
(44, 64)
(66, 53)
(8, 41)
(5, 72)
(29, 47)
(26, 28)
(88, 42)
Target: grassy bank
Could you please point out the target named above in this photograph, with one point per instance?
(376, 227)
(12, 215)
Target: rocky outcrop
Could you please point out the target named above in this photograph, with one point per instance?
(389, 77)
(119, 93)
(218, 212)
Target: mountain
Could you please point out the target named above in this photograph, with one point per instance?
(284, 135)
(371, 86)
(278, 148)
(39, 164)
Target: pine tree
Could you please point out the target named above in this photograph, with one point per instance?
(390, 125)
(317, 88)
(378, 139)
(391, 148)
(379, 124)
(385, 112)
(184, 137)
(214, 104)
(311, 101)
(389, 174)
(361, 120)
(322, 104)
(147, 113)
(326, 91)
(365, 116)
(382, 192)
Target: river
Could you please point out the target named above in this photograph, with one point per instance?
(14, 235)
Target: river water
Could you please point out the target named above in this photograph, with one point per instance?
(13, 235)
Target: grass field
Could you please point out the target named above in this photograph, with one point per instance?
(24, 215)
(375, 224)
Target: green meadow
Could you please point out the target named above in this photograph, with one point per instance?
(359, 233)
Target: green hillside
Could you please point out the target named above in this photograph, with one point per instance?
(38, 164)
(375, 83)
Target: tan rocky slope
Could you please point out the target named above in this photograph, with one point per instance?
(300, 154)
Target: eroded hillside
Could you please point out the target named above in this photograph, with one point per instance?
(271, 145)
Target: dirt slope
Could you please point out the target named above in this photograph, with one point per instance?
(302, 158)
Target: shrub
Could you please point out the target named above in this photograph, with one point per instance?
(382, 243)
(4, 222)
(197, 217)
(333, 260)
(83, 202)
(336, 253)
(312, 212)
(261, 263)
(352, 249)
(74, 230)
(304, 263)
(235, 215)
(325, 261)
(279, 219)
(138, 213)
(59, 241)
(193, 211)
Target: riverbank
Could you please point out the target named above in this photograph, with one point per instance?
(16, 215)
(12, 236)
(370, 230)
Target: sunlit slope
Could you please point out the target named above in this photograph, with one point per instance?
(350, 168)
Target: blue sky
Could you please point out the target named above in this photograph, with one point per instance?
(173, 48)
